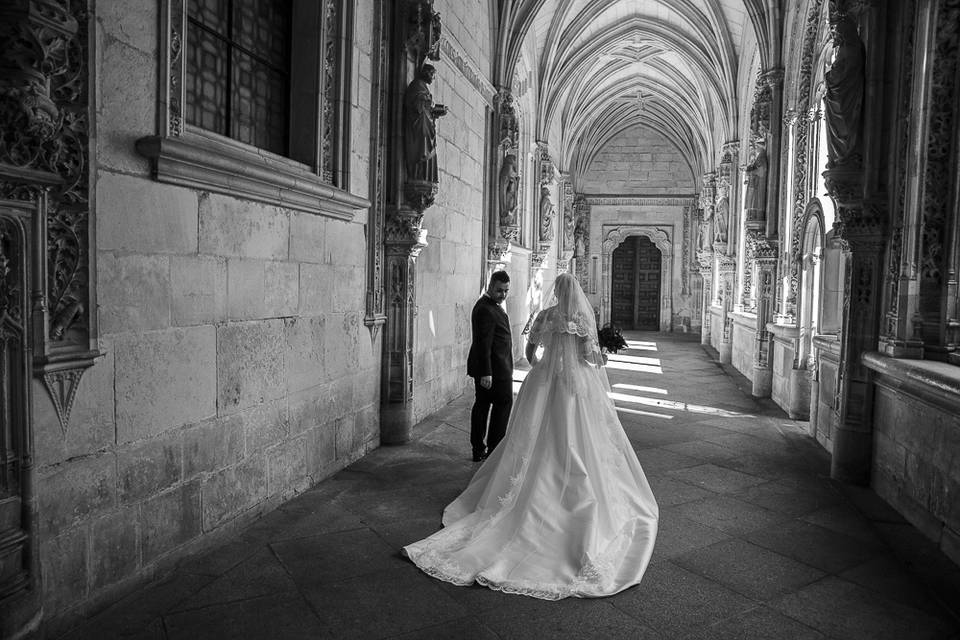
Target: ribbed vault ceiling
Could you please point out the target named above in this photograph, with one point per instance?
(604, 66)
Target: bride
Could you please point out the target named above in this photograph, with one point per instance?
(561, 508)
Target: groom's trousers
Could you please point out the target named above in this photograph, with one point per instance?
(494, 403)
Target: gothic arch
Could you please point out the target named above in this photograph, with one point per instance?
(810, 297)
(662, 238)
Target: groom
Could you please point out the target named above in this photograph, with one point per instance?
(490, 364)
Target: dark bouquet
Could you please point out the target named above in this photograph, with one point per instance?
(611, 339)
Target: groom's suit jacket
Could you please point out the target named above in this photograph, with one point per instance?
(491, 352)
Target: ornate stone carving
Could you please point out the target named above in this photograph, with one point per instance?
(462, 62)
(755, 184)
(548, 170)
(640, 201)
(44, 149)
(685, 253)
(537, 258)
(375, 314)
(424, 31)
(569, 218)
(547, 214)
(581, 235)
(940, 175)
(508, 189)
(509, 120)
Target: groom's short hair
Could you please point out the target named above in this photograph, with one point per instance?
(499, 276)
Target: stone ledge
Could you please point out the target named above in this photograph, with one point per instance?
(935, 382)
(209, 162)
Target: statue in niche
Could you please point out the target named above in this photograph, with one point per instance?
(755, 200)
(568, 226)
(843, 102)
(721, 215)
(546, 215)
(508, 185)
(419, 130)
(706, 228)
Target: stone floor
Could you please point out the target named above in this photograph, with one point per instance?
(755, 540)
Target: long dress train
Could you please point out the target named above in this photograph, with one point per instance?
(561, 507)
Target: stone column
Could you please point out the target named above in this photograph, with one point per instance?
(764, 254)
(408, 196)
(726, 268)
(507, 167)
(705, 260)
(546, 212)
(404, 241)
(863, 226)
(773, 79)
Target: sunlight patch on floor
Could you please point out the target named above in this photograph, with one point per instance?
(642, 345)
(671, 404)
(636, 387)
(629, 366)
(615, 357)
(639, 412)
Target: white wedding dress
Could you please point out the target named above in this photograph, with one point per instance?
(561, 507)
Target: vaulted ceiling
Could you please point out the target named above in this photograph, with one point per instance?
(604, 66)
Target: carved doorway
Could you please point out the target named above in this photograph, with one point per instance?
(635, 285)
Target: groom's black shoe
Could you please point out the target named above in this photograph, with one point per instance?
(478, 455)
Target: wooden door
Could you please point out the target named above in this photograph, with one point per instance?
(647, 311)
(635, 285)
(622, 285)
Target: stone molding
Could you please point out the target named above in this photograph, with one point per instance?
(662, 237)
(467, 68)
(640, 201)
(206, 161)
(935, 382)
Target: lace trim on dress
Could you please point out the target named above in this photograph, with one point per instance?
(552, 321)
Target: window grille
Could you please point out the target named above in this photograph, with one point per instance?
(238, 73)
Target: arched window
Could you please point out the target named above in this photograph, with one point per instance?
(811, 280)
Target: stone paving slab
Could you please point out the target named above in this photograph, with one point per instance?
(755, 542)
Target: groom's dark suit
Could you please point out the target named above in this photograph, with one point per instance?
(491, 354)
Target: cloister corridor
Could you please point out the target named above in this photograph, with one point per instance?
(755, 541)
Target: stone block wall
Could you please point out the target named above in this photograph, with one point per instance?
(638, 161)
(237, 370)
(916, 440)
(744, 343)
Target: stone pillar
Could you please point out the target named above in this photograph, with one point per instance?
(705, 259)
(507, 167)
(726, 268)
(404, 241)
(409, 194)
(773, 79)
(764, 254)
(863, 226)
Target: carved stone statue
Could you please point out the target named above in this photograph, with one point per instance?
(568, 225)
(755, 200)
(722, 214)
(419, 128)
(546, 216)
(706, 228)
(509, 183)
(843, 102)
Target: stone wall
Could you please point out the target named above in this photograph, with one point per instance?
(237, 370)
(916, 440)
(450, 268)
(638, 161)
(744, 343)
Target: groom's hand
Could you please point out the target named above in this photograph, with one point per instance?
(486, 381)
